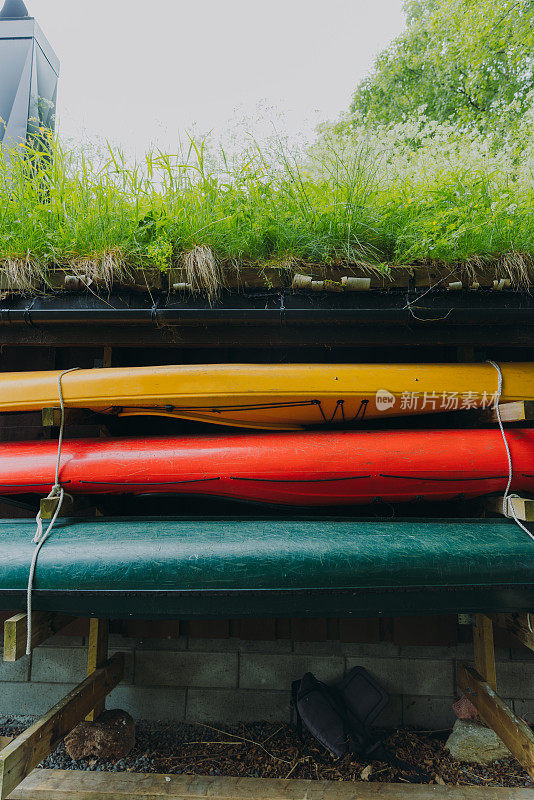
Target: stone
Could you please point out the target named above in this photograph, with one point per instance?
(474, 742)
(111, 736)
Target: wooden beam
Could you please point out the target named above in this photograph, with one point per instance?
(97, 656)
(523, 507)
(514, 732)
(51, 417)
(108, 357)
(519, 411)
(519, 625)
(484, 649)
(44, 626)
(27, 750)
(57, 784)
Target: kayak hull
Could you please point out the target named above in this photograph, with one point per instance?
(313, 468)
(214, 568)
(283, 396)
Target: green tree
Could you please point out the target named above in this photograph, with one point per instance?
(467, 60)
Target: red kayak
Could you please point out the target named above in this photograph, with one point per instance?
(308, 469)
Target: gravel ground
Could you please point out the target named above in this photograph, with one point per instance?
(264, 750)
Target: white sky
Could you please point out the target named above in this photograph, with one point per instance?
(143, 72)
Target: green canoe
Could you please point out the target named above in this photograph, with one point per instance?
(208, 568)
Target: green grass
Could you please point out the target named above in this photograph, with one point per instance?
(415, 193)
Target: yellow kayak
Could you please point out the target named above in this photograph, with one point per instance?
(273, 396)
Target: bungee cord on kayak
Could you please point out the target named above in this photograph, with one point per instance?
(56, 493)
(507, 506)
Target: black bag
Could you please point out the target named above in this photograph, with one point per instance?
(339, 716)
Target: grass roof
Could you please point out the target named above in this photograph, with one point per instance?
(427, 197)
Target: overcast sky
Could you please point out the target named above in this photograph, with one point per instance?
(143, 72)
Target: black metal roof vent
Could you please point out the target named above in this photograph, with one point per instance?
(14, 9)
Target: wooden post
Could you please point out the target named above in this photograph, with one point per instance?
(108, 357)
(16, 630)
(484, 649)
(523, 507)
(519, 625)
(97, 656)
(21, 755)
(465, 354)
(514, 732)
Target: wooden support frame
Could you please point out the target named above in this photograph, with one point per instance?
(484, 649)
(515, 733)
(44, 626)
(51, 417)
(21, 755)
(96, 657)
(519, 411)
(519, 625)
(523, 507)
(55, 784)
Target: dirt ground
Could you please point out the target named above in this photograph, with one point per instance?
(265, 750)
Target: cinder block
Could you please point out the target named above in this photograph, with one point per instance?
(218, 705)
(68, 664)
(331, 647)
(433, 713)
(258, 646)
(64, 641)
(391, 716)
(370, 650)
(180, 643)
(465, 652)
(278, 671)
(150, 703)
(410, 676)
(59, 664)
(516, 679)
(521, 653)
(14, 670)
(184, 668)
(231, 644)
(428, 651)
(525, 710)
(31, 698)
(234, 645)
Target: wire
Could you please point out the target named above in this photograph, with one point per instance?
(56, 493)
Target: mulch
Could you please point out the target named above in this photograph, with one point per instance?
(265, 750)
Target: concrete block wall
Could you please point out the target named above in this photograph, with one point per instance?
(232, 680)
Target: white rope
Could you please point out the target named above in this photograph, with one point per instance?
(507, 506)
(57, 492)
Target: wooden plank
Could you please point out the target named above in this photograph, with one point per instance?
(5, 740)
(44, 626)
(520, 625)
(97, 657)
(514, 732)
(27, 750)
(523, 507)
(51, 417)
(484, 649)
(48, 784)
(519, 411)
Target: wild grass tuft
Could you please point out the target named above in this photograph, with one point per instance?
(412, 193)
